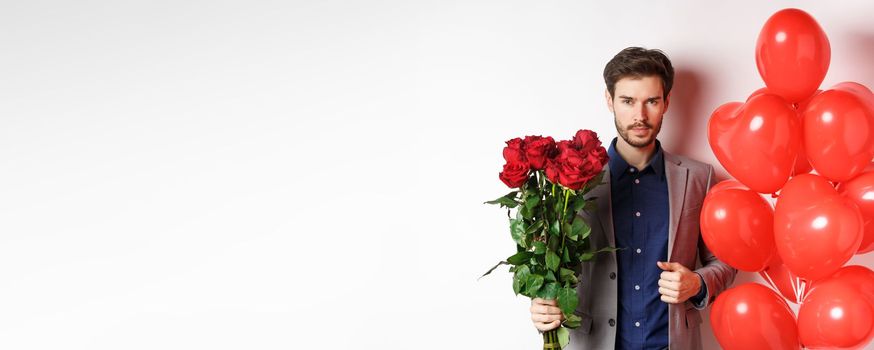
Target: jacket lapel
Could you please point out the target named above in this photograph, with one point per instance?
(677, 176)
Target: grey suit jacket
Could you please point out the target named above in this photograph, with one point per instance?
(688, 182)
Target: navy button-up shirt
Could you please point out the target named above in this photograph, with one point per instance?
(640, 221)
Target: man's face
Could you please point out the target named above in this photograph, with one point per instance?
(638, 106)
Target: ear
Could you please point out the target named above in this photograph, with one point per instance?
(667, 102)
(609, 100)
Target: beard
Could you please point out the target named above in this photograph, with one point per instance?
(637, 143)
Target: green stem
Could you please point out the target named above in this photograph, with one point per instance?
(567, 195)
(550, 340)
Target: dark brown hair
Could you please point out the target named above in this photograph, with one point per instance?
(637, 62)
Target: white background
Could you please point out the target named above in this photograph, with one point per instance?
(286, 175)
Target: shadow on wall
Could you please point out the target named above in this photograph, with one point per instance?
(685, 125)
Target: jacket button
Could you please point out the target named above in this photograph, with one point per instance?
(612, 322)
(612, 275)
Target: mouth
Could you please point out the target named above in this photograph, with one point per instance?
(640, 130)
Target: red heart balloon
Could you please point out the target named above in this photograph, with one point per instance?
(839, 131)
(816, 230)
(757, 141)
(802, 165)
(792, 54)
(837, 313)
(752, 316)
(861, 191)
(738, 227)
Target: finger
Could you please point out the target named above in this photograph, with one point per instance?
(668, 292)
(543, 327)
(669, 300)
(669, 284)
(554, 325)
(670, 276)
(545, 310)
(541, 318)
(671, 266)
(552, 310)
(540, 301)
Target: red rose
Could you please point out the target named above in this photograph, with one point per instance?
(515, 151)
(538, 150)
(515, 174)
(552, 170)
(578, 161)
(574, 169)
(586, 141)
(598, 157)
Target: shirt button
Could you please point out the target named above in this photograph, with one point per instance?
(637, 324)
(612, 275)
(631, 170)
(637, 214)
(638, 250)
(611, 322)
(637, 181)
(636, 287)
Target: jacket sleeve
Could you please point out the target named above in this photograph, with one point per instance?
(716, 274)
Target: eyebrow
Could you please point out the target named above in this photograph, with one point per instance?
(654, 98)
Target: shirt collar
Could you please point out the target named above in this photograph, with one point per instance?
(618, 165)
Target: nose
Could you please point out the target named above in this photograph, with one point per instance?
(641, 114)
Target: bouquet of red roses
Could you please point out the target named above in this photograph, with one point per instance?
(550, 181)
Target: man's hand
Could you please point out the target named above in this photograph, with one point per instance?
(677, 283)
(545, 314)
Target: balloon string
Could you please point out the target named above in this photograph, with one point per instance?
(803, 291)
(795, 289)
(768, 276)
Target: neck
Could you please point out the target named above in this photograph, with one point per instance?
(637, 157)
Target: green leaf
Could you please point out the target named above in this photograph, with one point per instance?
(517, 283)
(533, 284)
(532, 201)
(567, 300)
(520, 278)
(519, 258)
(565, 255)
(572, 321)
(534, 228)
(579, 203)
(587, 256)
(587, 230)
(555, 228)
(517, 231)
(549, 291)
(552, 261)
(495, 267)
(578, 227)
(564, 337)
(568, 276)
(526, 212)
(539, 247)
(550, 276)
(508, 200)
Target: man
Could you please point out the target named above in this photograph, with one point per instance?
(646, 295)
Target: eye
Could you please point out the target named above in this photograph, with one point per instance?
(653, 102)
(628, 102)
